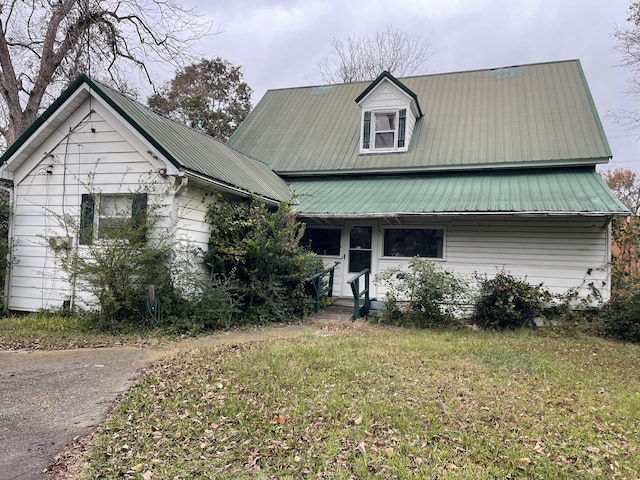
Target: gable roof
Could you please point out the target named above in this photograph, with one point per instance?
(386, 75)
(539, 115)
(187, 149)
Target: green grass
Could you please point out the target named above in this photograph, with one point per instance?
(373, 402)
(48, 331)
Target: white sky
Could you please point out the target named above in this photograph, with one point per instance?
(279, 42)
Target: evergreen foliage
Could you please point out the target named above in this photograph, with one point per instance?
(258, 251)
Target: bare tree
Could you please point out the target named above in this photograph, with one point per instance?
(44, 44)
(364, 58)
(628, 46)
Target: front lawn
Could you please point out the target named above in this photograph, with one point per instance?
(375, 402)
(51, 331)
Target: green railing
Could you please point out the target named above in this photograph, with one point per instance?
(322, 285)
(360, 310)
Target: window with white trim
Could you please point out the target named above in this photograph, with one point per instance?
(384, 131)
(109, 215)
(414, 242)
(322, 241)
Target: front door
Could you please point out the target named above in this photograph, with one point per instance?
(359, 253)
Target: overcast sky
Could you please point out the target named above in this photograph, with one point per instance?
(279, 42)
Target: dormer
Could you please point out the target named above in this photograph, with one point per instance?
(389, 113)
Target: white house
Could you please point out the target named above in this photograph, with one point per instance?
(482, 171)
(96, 145)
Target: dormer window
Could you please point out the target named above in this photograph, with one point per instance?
(384, 131)
(386, 127)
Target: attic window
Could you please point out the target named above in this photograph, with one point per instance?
(384, 130)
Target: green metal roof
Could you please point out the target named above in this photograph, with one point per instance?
(539, 115)
(571, 191)
(184, 147)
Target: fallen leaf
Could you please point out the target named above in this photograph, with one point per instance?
(389, 452)
(280, 420)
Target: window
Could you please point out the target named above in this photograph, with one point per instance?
(119, 215)
(412, 242)
(387, 129)
(360, 248)
(322, 241)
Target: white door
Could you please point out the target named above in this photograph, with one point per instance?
(359, 254)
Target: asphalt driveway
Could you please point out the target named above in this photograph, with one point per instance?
(47, 399)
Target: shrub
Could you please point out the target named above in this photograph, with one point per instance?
(620, 318)
(425, 295)
(505, 302)
(260, 250)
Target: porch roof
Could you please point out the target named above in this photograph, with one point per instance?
(567, 192)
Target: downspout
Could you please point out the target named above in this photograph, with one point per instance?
(7, 277)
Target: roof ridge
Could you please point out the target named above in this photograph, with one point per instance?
(455, 72)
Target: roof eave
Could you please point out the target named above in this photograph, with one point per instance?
(303, 214)
(231, 189)
(581, 162)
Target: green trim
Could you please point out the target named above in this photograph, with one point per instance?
(603, 135)
(70, 90)
(99, 89)
(396, 82)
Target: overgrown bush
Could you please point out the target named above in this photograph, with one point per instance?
(505, 302)
(423, 295)
(117, 268)
(258, 250)
(620, 318)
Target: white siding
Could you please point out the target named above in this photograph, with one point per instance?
(561, 253)
(94, 158)
(192, 204)
(386, 97)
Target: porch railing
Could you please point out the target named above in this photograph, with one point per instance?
(322, 285)
(358, 309)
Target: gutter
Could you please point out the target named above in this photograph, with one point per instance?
(224, 187)
(610, 215)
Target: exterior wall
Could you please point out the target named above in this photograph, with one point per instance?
(562, 253)
(90, 154)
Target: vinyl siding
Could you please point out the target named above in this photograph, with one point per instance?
(103, 162)
(561, 253)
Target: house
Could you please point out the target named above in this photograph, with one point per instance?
(482, 171)
(95, 145)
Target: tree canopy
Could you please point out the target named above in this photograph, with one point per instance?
(45, 44)
(357, 59)
(626, 185)
(210, 96)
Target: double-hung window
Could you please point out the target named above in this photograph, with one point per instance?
(384, 131)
